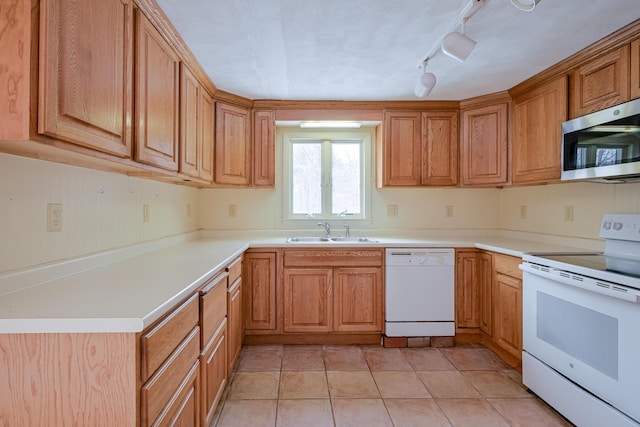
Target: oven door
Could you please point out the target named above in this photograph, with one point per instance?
(589, 337)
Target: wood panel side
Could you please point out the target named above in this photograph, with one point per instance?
(68, 379)
(634, 78)
(264, 149)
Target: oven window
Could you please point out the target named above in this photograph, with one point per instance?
(582, 333)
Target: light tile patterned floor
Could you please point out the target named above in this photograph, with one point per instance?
(353, 386)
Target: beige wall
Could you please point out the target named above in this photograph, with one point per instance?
(92, 220)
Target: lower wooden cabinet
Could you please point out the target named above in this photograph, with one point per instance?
(507, 304)
(213, 360)
(485, 286)
(357, 299)
(307, 299)
(259, 276)
(467, 288)
(235, 324)
(184, 408)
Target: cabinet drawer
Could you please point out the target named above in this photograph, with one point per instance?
(157, 344)
(235, 270)
(333, 258)
(508, 265)
(213, 306)
(163, 385)
(184, 407)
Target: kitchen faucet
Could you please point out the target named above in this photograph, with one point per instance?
(346, 230)
(326, 227)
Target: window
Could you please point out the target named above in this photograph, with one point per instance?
(327, 175)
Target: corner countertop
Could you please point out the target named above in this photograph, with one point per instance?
(131, 292)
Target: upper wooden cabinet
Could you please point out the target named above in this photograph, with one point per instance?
(439, 148)
(232, 145)
(600, 83)
(86, 73)
(157, 98)
(484, 145)
(419, 148)
(537, 135)
(196, 127)
(264, 148)
(634, 78)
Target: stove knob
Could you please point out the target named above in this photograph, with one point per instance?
(617, 226)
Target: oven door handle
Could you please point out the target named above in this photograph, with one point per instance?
(583, 282)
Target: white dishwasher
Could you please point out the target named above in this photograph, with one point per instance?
(419, 292)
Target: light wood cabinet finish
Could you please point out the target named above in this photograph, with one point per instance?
(402, 153)
(157, 344)
(484, 146)
(86, 73)
(156, 98)
(213, 306)
(307, 299)
(232, 145)
(507, 304)
(190, 152)
(634, 78)
(184, 407)
(467, 274)
(357, 300)
(264, 149)
(206, 129)
(439, 148)
(213, 362)
(259, 277)
(235, 324)
(537, 134)
(485, 285)
(600, 83)
(332, 257)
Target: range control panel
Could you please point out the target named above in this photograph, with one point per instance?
(621, 227)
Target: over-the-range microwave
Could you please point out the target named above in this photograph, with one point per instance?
(603, 146)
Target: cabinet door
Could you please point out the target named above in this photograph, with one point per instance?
(233, 145)
(537, 132)
(86, 73)
(634, 90)
(357, 300)
(484, 145)
(307, 299)
(264, 148)
(214, 373)
(157, 98)
(600, 83)
(485, 283)
(259, 277)
(440, 148)
(507, 306)
(401, 148)
(234, 316)
(189, 103)
(184, 410)
(467, 289)
(206, 131)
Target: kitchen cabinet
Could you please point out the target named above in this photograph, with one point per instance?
(419, 148)
(235, 326)
(333, 291)
(484, 145)
(600, 83)
(259, 275)
(467, 275)
(485, 286)
(156, 97)
(196, 127)
(86, 74)
(264, 149)
(232, 145)
(634, 78)
(537, 121)
(507, 304)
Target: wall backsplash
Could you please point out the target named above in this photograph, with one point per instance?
(100, 211)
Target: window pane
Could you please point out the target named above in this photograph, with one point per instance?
(306, 178)
(345, 178)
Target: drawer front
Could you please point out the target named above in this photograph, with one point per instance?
(184, 408)
(213, 309)
(235, 270)
(508, 265)
(213, 362)
(333, 258)
(157, 344)
(157, 393)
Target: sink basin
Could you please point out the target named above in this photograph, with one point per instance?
(325, 239)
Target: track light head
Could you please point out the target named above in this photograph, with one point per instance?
(525, 5)
(425, 83)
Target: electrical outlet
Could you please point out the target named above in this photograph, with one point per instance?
(54, 217)
(449, 211)
(523, 212)
(392, 210)
(568, 213)
(145, 213)
(233, 210)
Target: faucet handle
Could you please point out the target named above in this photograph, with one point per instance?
(347, 233)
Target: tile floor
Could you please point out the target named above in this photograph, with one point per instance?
(309, 386)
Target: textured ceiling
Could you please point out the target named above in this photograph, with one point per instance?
(371, 49)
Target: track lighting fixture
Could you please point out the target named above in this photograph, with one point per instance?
(425, 83)
(457, 45)
(525, 5)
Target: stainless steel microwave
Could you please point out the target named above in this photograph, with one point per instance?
(603, 146)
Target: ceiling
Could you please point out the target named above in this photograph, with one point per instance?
(360, 50)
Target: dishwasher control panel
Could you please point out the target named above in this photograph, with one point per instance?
(419, 256)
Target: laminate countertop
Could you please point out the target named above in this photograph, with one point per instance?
(128, 292)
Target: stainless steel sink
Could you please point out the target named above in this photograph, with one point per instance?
(326, 239)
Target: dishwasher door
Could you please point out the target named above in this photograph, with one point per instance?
(419, 292)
